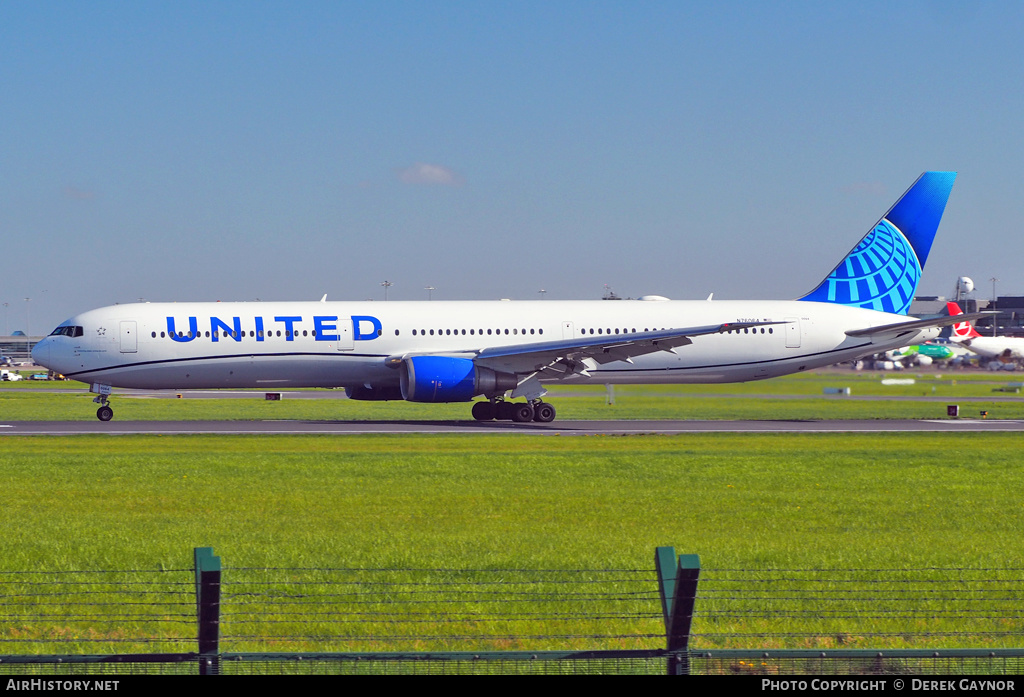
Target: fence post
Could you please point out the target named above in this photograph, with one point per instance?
(207, 569)
(677, 585)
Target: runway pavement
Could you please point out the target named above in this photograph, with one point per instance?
(560, 428)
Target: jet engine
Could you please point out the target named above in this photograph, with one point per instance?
(444, 379)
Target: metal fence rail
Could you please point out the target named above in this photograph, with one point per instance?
(860, 608)
(106, 610)
(343, 609)
(676, 619)
(865, 662)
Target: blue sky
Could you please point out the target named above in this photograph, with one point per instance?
(280, 151)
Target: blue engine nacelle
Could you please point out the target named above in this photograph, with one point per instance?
(443, 379)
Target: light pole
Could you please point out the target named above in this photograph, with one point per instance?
(430, 292)
(994, 279)
(386, 284)
(7, 326)
(28, 328)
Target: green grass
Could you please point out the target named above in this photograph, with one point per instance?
(794, 397)
(755, 501)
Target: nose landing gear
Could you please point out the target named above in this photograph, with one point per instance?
(104, 413)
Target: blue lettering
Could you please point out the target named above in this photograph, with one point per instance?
(193, 330)
(259, 329)
(288, 324)
(320, 326)
(234, 331)
(357, 330)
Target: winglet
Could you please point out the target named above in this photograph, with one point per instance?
(883, 270)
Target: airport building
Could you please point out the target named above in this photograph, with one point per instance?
(1008, 322)
(18, 347)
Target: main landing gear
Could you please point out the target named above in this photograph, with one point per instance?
(520, 412)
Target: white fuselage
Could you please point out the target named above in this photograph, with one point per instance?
(1006, 347)
(344, 344)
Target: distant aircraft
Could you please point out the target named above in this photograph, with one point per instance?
(457, 351)
(1005, 349)
(920, 354)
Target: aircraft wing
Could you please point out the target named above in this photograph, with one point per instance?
(898, 329)
(564, 357)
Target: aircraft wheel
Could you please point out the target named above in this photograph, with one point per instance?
(483, 411)
(503, 411)
(523, 412)
(543, 413)
(104, 413)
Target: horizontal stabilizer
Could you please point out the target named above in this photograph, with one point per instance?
(914, 325)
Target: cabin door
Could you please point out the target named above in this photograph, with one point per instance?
(129, 340)
(345, 341)
(792, 332)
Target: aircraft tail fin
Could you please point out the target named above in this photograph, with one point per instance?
(962, 331)
(883, 270)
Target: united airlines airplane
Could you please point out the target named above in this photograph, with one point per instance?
(459, 351)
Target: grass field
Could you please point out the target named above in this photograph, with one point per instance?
(782, 501)
(794, 397)
(753, 502)
(796, 500)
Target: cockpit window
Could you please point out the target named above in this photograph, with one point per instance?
(67, 330)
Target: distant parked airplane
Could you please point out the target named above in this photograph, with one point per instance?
(1005, 349)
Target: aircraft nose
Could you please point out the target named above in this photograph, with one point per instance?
(41, 352)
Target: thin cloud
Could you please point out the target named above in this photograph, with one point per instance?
(77, 194)
(422, 173)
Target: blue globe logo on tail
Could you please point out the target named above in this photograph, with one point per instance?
(881, 273)
(883, 270)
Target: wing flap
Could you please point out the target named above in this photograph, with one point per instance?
(570, 356)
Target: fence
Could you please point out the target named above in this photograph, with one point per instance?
(675, 618)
